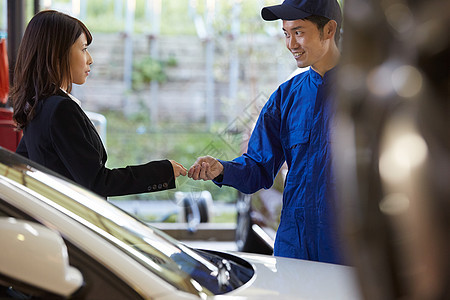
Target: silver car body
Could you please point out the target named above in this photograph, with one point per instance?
(140, 256)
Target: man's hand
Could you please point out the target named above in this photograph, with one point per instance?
(206, 168)
(178, 169)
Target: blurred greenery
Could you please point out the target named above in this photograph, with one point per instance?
(177, 18)
(131, 140)
(219, 217)
(148, 69)
(224, 217)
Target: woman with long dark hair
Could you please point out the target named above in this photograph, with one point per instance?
(57, 133)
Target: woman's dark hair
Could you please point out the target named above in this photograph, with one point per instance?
(321, 22)
(42, 64)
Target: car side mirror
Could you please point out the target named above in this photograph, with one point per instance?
(33, 254)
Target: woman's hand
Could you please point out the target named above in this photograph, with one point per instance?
(205, 168)
(178, 169)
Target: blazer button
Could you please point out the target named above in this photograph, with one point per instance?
(165, 185)
(159, 186)
(154, 187)
(149, 188)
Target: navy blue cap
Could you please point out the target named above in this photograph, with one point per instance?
(300, 9)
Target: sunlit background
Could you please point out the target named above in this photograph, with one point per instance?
(176, 79)
(182, 78)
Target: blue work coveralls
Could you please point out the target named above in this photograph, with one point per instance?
(293, 126)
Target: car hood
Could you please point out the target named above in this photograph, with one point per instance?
(286, 278)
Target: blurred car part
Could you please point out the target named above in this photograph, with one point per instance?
(9, 137)
(195, 208)
(258, 217)
(393, 147)
(30, 245)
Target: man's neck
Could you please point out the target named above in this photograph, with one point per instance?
(331, 60)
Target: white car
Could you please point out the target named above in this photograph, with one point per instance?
(60, 241)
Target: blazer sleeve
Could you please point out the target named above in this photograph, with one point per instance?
(81, 150)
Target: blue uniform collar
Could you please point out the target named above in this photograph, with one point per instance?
(318, 79)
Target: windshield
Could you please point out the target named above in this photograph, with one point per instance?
(189, 270)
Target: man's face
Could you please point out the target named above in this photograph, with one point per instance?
(306, 43)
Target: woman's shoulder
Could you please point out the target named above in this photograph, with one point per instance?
(56, 99)
(58, 104)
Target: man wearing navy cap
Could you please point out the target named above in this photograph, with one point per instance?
(294, 126)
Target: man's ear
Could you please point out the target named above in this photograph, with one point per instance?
(329, 29)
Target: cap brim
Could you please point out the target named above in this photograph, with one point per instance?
(284, 12)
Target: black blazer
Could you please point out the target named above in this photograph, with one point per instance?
(62, 138)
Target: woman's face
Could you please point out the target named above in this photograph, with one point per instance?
(80, 60)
